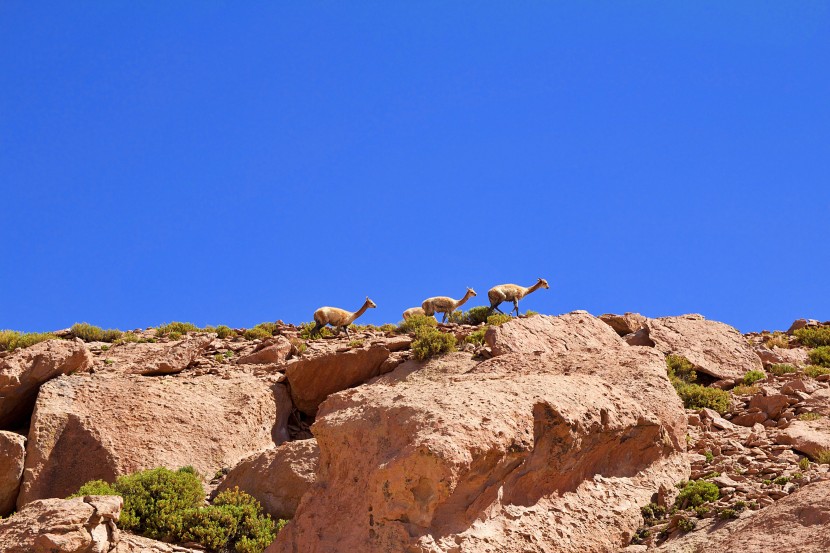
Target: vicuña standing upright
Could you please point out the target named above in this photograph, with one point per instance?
(512, 292)
(445, 305)
(339, 318)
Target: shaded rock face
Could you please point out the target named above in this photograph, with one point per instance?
(273, 350)
(155, 359)
(23, 371)
(714, 348)
(314, 377)
(12, 453)
(277, 478)
(86, 427)
(544, 452)
(624, 324)
(82, 525)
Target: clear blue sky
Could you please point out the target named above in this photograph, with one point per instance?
(230, 164)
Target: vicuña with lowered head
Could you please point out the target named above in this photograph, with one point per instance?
(445, 305)
(339, 318)
(412, 312)
(512, 292)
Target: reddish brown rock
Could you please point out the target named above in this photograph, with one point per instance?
(85, 428)
(273, 350)
(771, 404)
(521, 453)
(801, 323)
(277, 478)
(544, 334)
(624, 324)
(810, 437)
(23, 371)
(12, 454)
(713, 348)
(82, 525)
(313, 377)
(152, 359)
(793, 356)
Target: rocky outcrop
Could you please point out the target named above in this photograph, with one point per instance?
(130, 543)
(22, 373)
(809, 437)
(12, 455)
(88, 427)
(82, 525)
(277, 478)
(543, 334)
(152, 359)
(775, 355)
(273, 350)
(714, 348)
(624, 324)
(526, 452)
(318, 374)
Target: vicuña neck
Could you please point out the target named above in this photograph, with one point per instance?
(359, 312)
(463, 300)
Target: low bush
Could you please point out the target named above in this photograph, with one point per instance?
(682, 375)
(498, 319)
(176, 330)
(687, 524)
(680, 368)
(270, 327)
(804, 463)
(777, 339)
(823, 457)
(780, 369)
(256, 333)
(356, 344)
(475, 315)
(695, 493)
(814, 336)
(752, 377)
(477, 336)
(388, 327)
(727, 514)
(809, 416)
(813, 371)
(306, 328)
(11, 340)
(820, 356)
(233, 523)
(127, 337)
(223, 332)
(430, 342)
(91, 333)
(412, 324)
(745, 390)
(653, 512)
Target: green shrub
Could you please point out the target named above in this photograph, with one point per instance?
(804, 463)
(823, 457)
(256, 333)
(814, 371)
(814, 336)
(356, 344)
(530, 313)
(780, 369)
(475, 316)
(652, 512)
(223, 331)
(388, 328)
(809, 416)
(127, 337)
(176, 328)
(498, 319)
(11, 340)
(702, 510)
(696, 492)
(687, 524)
(681, 375)
(752, 377)
(777, 339)
(820, 356)
(95, 487)
(271, 328)
(253, 530)
(781, 480)
(709, 456)
(430, 342)
(477, 336)
(306, 328)
(413, 324)
(727, 514)
(90, 333)
(745, 390)
(680, 368)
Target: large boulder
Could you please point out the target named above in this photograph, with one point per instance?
(23, 371)
(271, 351)
(547, 452)
(86, 428)
(808, 437)
(790, 356)
(12, 455)
(277, 478)
(714, 348)
(624, 324)
(152, 359)
(316, 375)
(81, 525)
(544, 334)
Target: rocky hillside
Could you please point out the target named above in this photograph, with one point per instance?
(538, 434)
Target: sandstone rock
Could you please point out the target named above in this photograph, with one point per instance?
(22, 373)
(151, 359)
(312, 378)
(802, 323)
(278, 477)
(85, 427)
(82, 525)
(772, 404)
(810, 437)
(520, 453)
(714, 348)
(819, 401)
(12, 454)
(130, 543)
(793, 356)
(544, 334)
(273, 350)
(624, 324)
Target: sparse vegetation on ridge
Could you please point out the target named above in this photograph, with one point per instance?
(91, 333)
(176, 330)
(11, 340)
(820, 356)
(430, 342)
(814, 336)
